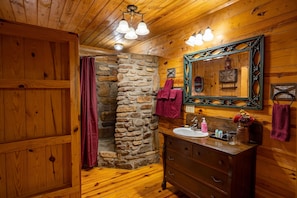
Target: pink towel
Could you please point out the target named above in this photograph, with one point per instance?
(280, 122)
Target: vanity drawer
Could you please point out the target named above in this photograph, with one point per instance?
(198, 171)
(212, 157)
(180, 146)
(193, 187)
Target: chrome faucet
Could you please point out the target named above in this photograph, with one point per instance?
(194, 125)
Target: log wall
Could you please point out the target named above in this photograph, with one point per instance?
(277, 21)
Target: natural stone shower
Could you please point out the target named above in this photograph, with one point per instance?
(128, 135)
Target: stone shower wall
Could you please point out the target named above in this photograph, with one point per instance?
(107, 91)
(136, 134)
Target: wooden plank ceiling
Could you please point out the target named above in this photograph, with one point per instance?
(95, 21)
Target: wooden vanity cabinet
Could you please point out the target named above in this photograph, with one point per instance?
(206, 167)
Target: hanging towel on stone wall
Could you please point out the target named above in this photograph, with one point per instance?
(280, 122)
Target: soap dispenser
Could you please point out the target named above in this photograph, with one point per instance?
(204, 126)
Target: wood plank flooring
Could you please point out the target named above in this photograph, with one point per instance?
(144, 182)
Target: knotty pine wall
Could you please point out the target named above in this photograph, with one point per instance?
(277, 20)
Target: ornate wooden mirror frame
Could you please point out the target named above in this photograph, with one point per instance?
(254, 47)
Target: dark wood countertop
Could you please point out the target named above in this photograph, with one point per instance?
(213, 143)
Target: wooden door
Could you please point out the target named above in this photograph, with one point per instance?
(39, 112)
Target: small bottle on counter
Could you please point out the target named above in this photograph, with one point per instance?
(204, 126)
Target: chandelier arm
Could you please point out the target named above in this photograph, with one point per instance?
(133, 13)
(131, 19)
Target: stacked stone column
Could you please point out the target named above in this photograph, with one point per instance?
(136, 138)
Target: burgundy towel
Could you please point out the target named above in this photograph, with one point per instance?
(160, 104)
(280, 122)
(169, 101)
(159, 95)
(166, 89)
(172, 107)
(173, 93)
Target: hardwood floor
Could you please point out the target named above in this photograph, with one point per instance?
(144, 182)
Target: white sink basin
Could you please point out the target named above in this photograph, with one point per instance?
(188, 132)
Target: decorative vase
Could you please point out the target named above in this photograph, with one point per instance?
(242, 131)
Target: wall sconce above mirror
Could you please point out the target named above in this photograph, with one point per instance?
(198, 38)
(232, 75)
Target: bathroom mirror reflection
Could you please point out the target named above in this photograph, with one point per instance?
(232, 75)
(222, 81)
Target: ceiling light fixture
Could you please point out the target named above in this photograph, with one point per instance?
(118, 46)
(198, 38)
(130, 32)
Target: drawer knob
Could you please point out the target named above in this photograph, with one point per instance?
(212, 196)
(221, 162)
(21, 86)
(170, 173)
(216, 180)
(170, 158)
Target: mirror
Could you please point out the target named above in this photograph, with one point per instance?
(229, 75)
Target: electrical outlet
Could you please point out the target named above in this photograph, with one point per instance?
(190, 109)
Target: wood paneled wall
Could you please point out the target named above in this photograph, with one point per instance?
(277, 20)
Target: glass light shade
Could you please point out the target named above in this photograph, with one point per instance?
(191, 40)
(118, 46)
(198, 39)
(142, 29)
(198, 42)
(131, 34)
(188, 42)
(123, 27)
(208, 36)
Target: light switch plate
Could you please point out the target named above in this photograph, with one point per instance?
(190, 109)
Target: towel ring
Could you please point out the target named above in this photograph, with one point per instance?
(284, 92)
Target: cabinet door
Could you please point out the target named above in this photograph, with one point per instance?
(39, 112)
